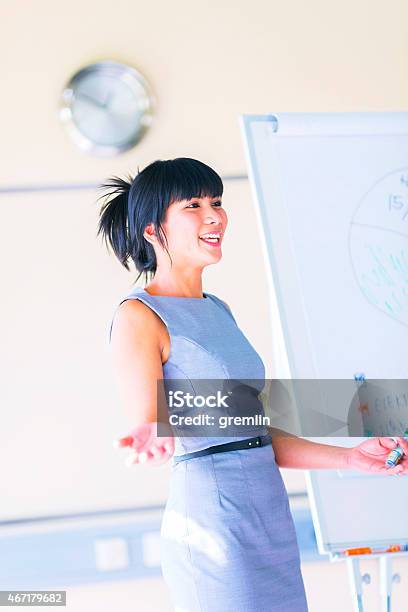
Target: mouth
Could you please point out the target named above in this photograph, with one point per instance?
(212, 238)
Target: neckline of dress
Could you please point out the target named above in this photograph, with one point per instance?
(176, 297)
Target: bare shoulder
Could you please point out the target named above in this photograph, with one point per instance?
(135, 316)
(135, 310)
(135, 322)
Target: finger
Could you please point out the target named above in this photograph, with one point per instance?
(376, 468)
(169, 446)
(133, 458)
(160, 455)
(403, 444)
(404, 466)
(390, 471)
(388, 443)
(122, 442)
(156, 452)
(144, 456)
(379, 467)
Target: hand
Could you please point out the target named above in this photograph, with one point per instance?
(146, 446)
(370, 456)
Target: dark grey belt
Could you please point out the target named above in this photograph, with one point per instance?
(223, 448)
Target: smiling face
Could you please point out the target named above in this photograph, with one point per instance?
(185, 222)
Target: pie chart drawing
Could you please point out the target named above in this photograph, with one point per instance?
(378, 244)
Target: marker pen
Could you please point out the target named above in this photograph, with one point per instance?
(396, 454)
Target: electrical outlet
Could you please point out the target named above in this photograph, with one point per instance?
(151, 549)
(111, 554)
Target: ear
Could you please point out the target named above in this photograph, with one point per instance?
(149, 233)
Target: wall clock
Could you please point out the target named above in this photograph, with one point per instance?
(107, 107)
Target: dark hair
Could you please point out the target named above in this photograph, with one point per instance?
(144, 199)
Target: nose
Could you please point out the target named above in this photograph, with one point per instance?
(213, 216)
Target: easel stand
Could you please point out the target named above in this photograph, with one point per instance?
(387, 578)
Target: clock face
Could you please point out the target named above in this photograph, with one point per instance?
(107, 108)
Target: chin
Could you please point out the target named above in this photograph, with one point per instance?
(214, 258)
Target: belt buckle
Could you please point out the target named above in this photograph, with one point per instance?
(256, 442)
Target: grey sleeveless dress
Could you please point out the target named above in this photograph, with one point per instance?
(228, 540)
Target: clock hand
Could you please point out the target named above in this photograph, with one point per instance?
(92, 100)
(106, 104)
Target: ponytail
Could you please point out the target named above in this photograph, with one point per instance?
(113, 217)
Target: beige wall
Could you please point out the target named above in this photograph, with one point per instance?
(207, 63)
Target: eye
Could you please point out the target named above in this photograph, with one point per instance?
(218, 203)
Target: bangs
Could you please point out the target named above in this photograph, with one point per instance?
(185, 178)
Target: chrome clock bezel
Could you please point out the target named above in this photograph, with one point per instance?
(134, 80)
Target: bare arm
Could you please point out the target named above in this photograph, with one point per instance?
(137, 364)
(293, 452)
(369, 456)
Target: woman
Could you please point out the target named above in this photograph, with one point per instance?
(228, 539)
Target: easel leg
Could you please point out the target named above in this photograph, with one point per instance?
(386, 579)
(356, 583)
